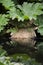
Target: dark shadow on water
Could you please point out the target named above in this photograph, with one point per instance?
(11, 49)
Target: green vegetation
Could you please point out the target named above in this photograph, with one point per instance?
(14, 15)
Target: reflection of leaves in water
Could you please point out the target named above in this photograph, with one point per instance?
(25, 59)
(40, 48)
(32, 62)
(20, 56)
(39, 55)
(1, 63)
(2, 51)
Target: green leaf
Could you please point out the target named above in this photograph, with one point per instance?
(31, 10)
(15, 13)
(7, 3)
(3, 21)
(26, 11)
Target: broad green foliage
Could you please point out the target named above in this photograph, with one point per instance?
(22, 12)
(31, 10)
(3, 21)
(28, 11)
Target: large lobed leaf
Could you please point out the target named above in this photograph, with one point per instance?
(31, 10)
(26, 11)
